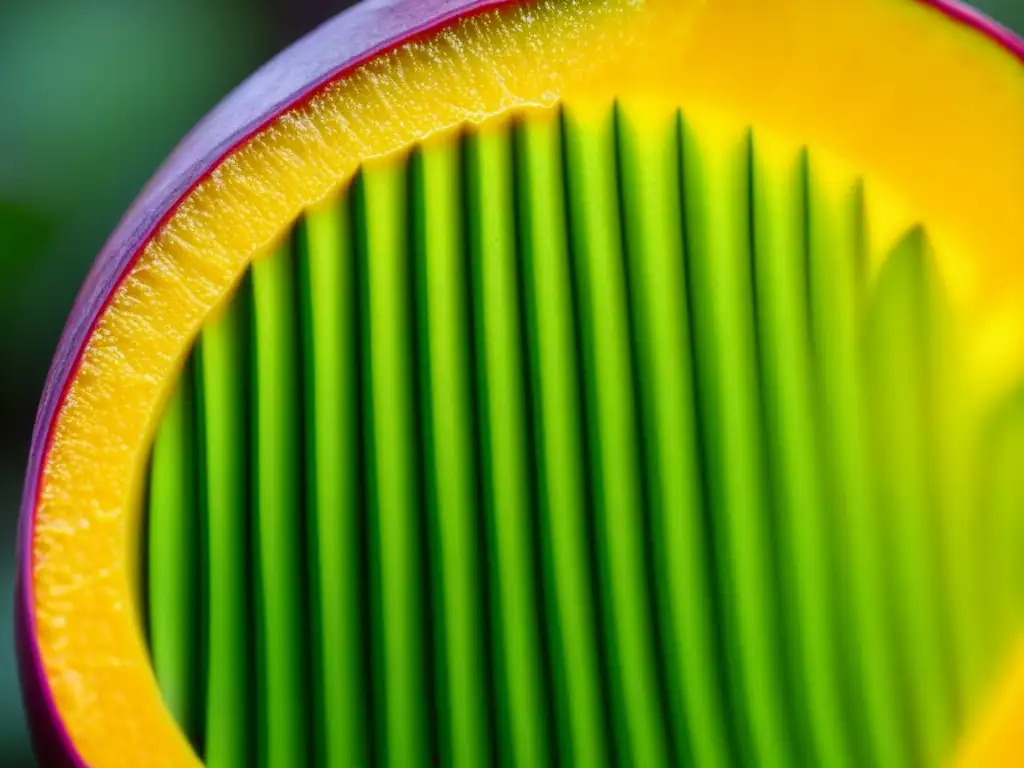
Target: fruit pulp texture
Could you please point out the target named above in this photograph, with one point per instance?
(591, 437)
(926, 110)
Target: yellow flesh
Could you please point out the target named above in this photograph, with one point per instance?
(928, 111)
(998, 738)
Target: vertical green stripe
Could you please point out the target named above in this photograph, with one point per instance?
(897, 328)
(716, 168)
(442, 277)
(508, 482)
(558, 448)
(684, 588)
(223, 372)
(281, 585)
(175, 562)
(807, 541)
(396, 530)
(835, 251)
(610, 410)
(334, 500)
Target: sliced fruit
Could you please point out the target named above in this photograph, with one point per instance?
(604, 382)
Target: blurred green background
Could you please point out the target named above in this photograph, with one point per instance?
(94, 95)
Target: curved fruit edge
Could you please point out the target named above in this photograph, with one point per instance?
(291, 78)
(288, 80)
(980, 22)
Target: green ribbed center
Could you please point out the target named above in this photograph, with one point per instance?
(581, 440)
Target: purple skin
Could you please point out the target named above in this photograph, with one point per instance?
(334, 49)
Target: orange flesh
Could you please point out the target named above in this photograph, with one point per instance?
(928, 111)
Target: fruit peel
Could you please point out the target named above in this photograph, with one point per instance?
(298, 73)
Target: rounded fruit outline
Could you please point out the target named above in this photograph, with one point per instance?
(352, 38)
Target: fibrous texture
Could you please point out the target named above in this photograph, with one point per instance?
(588, 382)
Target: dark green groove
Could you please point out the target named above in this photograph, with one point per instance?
(652, 201)
(835, 289)
(222, 365)
(597, 436)
(806, 538)
(616, 491)
(559, 451)
(451, 455)
(280, 540)
(518, 655)
(399, 590)
(334, 499)
(716, 173)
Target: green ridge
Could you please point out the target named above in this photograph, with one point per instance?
(614, 472)
(222, 358)
(835, 280)
(175, 567)
(334, 492)
(652, 207)
(584, 438)
(399, 630)
(505, 284)
(807, 539)
(450, 452)
(558, 458)
(897, 339)
(716, 174)
(281, 559)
